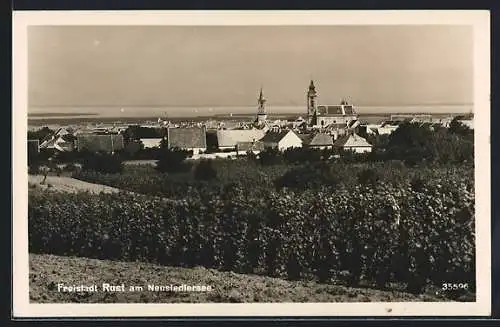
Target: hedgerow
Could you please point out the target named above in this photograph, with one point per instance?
(146, 180)
(256, 177)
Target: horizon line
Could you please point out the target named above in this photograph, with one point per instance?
(241, 105)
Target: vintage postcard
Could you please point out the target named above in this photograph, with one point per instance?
(251, 163)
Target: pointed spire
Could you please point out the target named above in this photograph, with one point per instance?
(261, 101)
(312, 89)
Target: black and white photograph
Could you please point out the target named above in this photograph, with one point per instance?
(331, 163)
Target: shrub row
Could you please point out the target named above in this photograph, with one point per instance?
(252, 176)
(146, 180)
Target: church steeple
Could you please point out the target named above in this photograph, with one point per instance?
(261, 111)
(312, 88)
(311, 103)
(261, 101)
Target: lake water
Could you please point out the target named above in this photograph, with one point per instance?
(175, 112)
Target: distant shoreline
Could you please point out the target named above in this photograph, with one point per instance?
(60, 114)
(129, 113)
(73, 120)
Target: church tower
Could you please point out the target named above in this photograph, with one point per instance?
(311, 103)
(261, 111)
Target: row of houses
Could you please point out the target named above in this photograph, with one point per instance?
(389, 126)
(64, 141)
(195, 139)
(258, 140)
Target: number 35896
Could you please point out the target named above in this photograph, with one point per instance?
(454, 286)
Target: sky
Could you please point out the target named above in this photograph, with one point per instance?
(227, 65)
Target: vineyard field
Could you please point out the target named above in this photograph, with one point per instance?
(417, 234)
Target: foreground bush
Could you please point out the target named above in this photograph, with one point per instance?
(205, 171)
(378, 233)
(103, 163)
(172, 160)
(415, 144)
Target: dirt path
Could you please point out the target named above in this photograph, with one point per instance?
(68, 184)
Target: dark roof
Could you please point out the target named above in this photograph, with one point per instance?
(353, 123)
(336, 125)
(351, 140)
(274, 137)
(330, 110)
(68, 138)
(321, 110)
(95, 143)
(341, 141)
(48, 143)
(321, 139)
(468, 116)
(305, 137)
(187, 138)
(349, 110)
(245, 146)
(142, 132)
(334, 110)
(61, 129)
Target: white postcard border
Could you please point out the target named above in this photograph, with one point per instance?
(478, 19)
